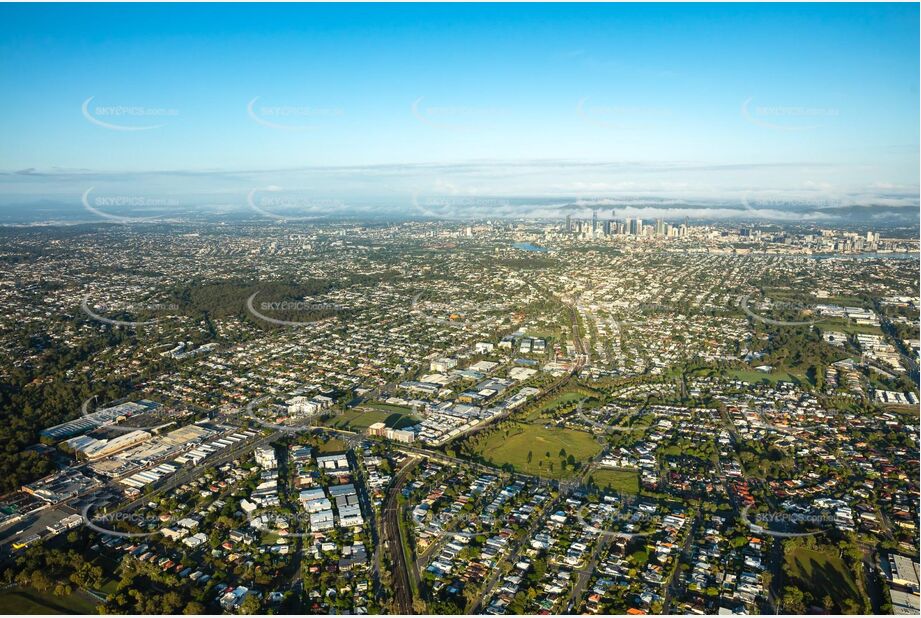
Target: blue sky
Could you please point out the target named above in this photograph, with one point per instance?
(718, 101)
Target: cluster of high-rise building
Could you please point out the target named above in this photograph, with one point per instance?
(788, 241)
(625, 227)
(825, 240)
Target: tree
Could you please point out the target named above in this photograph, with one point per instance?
(852, 607)
(250, 605)
(40, 581)
(793, 600)
(171, 602)
(194, 607)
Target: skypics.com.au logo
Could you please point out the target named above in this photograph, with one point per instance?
(769, 523)
(458, 207)
(109, 523)
(126, 117)
(462, 118)
(786, 117)
(307, 312)
(97, 310)
(288, 207)
(101, 205)
(778, 307)
(289, 117)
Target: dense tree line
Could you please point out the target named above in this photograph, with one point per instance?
(56, 571)
(38, 396)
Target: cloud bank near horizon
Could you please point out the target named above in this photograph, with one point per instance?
(524, 189)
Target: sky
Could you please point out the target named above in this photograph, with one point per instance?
(408, 105)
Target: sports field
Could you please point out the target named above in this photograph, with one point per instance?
(535, 449)
(363, 417)
(823, 574)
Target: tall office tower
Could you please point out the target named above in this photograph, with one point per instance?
(639, 227)
(594, 221)
(660, 227)
(628, 226)
(568, 223)
(607, 227)
(668, 229)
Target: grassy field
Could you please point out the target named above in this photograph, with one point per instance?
(909, 411)
(823, 573)
(30, 602)
(562, 399)
(621, 481)
(754, 376)
(386, 407)
(850, 301)
(847, 326)
(332, 445)
(364, 417)
(567, 397)
(514, 448)
(107, 587)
